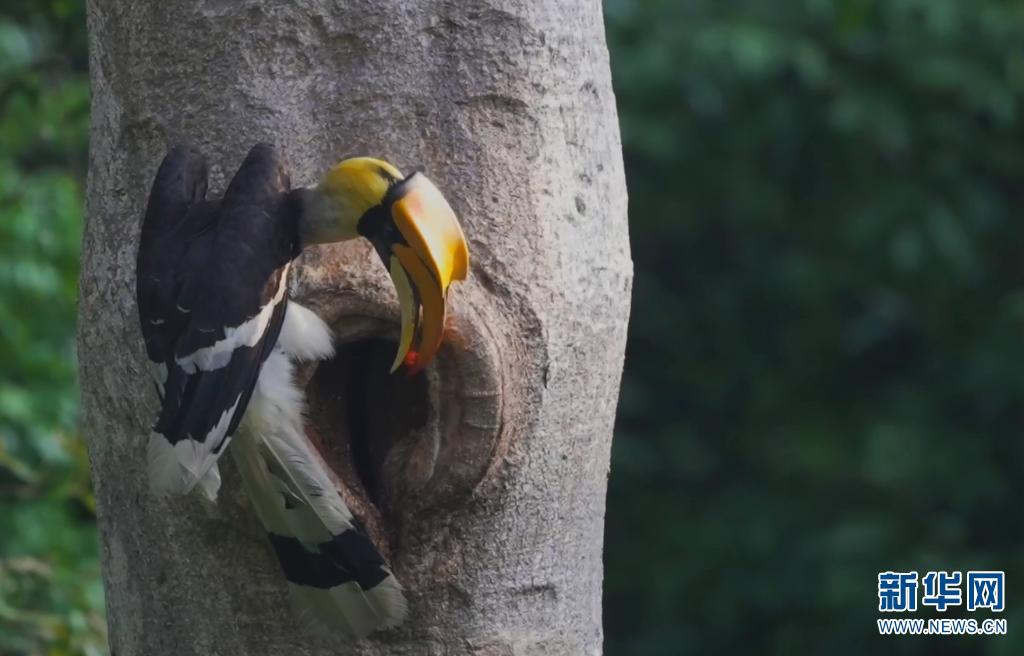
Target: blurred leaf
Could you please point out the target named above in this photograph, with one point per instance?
(822, 374)
(51, 600)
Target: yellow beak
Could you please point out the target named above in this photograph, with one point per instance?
(426, 255)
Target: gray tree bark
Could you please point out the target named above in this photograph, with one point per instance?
(487, 476)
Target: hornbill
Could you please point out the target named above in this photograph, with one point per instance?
(223, 339)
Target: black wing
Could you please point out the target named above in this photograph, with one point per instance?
(177, 208)
(221, 314)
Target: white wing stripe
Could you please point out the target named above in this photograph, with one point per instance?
(248, 333)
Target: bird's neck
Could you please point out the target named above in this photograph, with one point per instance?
(318, 219)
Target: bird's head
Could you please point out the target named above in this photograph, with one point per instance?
(414, 231)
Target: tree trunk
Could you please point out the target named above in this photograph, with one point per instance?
(485, 478)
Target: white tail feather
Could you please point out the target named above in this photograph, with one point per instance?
(176, 469)
(295, 498)
(211, 482)
(304, 335)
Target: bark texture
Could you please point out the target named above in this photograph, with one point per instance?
(489, 473)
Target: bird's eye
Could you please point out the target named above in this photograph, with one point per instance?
(386, 174)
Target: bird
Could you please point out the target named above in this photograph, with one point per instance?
(223, 340)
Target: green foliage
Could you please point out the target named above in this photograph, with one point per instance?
(823, 373)
(51, 600)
